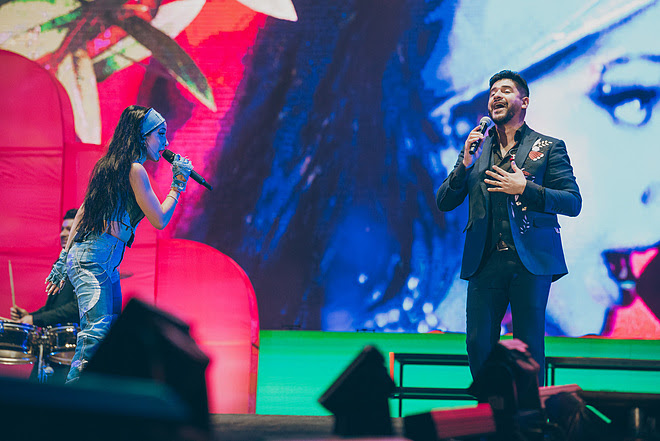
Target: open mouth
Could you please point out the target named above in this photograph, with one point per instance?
(499, 106)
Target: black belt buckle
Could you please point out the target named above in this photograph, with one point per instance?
(502, 246)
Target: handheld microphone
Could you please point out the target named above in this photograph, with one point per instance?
(483, 125)
(169, 157)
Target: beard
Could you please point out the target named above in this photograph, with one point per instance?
(504, 118)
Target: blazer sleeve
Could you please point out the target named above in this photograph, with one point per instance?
(560, 188)
(454, 188)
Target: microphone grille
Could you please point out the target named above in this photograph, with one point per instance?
(168, 155)
(485, 120)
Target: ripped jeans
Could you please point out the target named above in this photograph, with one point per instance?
(93, 269)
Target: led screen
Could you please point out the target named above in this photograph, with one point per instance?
(326, 128)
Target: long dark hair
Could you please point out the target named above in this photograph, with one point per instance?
(109, 187)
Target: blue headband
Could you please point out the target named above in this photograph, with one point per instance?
(151, 120)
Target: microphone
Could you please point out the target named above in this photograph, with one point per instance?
(169, 157)
(483, 125)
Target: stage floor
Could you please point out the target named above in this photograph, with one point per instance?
(296, 367)
(278, 427)
(268, 427)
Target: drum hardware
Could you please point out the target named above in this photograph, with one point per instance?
(44, 370)
(62, 343)
(17, 343)
(20, 343)
(25, 344)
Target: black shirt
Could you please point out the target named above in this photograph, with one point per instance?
(500, 228)
(533, 197)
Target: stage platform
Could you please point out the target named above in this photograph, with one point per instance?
(296, 367)
(278, 427)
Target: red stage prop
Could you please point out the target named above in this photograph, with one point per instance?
(45, 172)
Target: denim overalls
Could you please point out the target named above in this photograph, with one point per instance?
(93, 269)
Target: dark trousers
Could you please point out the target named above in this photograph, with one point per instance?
(501, 280)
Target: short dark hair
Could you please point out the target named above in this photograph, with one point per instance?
(513, 76)
(70, 214)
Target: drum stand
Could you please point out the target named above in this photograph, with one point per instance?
(43, 369)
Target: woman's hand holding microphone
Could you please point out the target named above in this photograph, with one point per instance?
(181, 169)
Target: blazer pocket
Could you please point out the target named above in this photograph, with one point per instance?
(545, 222)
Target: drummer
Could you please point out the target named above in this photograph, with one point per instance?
(60, 308)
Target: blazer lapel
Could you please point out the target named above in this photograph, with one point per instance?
(485, 163)
(485, 159)
(525, 147)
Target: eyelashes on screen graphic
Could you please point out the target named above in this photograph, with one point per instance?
(629, 89)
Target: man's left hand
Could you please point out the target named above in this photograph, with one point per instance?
(505, 182)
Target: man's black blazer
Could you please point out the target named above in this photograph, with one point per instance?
(536, 236)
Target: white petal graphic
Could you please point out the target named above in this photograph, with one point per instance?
(76, 73)
(282, 9)
(171, 18)
(21, 27)
(22, 31)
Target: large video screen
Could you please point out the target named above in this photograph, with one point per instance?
(327, 127)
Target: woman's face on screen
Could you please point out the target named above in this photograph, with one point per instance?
(604, 104)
